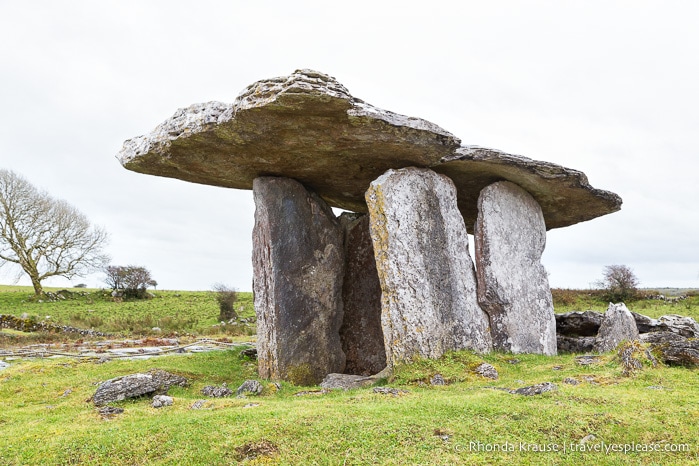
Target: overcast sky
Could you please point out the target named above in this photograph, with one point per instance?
(610, 88)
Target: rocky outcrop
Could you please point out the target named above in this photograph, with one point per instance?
(361, 333)
(427, 279)
(307, 126)
(618, 325)
(685, 326)
(134, 385)
(298, 265)
(575, 344)
(577, 323)
(674, 349)
(513, 286)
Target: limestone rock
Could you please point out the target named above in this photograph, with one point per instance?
(298, 266)
(252, 387)
(513, 286)
(216, 392)
(576, 323)
(674, 349)
(308, 127)
(361, 332)
(618, 325)
(574, 344)
(345, 381)
(487, 370)
(305, 126)
(160, 401)
(4, 365)
(131, 386)
(685, 326)
(108, 412)
(438, 379)
(537, 389)
(428, 284)
(564, 194)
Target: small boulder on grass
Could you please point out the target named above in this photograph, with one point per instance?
(216, 392)
(162, 400)
(537, 389)
(252, 387)
(134, 385)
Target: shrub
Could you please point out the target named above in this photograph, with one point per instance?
(226, 298)
(129, 281)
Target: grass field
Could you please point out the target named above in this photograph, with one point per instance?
(46, 418)
(193, 312)
(43, 423)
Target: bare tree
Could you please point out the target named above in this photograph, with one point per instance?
(45, 237)
(619, 283)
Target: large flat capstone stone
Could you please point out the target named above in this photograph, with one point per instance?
(428, 283)
(307, 126)
(298, 266)
(513, 285)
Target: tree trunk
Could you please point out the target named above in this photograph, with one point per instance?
(38, 289)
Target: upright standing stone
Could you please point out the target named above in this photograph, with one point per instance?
(513, 286)
(361, 332)
(428, 284)
(298, 264)
(618, 324)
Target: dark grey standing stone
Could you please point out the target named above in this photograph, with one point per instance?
(513, 287)
(618, 324)
(361, 333)
(428, 283)
(298, 266)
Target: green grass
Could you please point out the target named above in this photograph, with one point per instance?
(192, 312)
(583, 300)
(453, 424)
(40, 426)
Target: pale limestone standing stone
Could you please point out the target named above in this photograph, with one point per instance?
(428, 284)
(618, 324)
(361, 332)
(513, 287)
(298, 264)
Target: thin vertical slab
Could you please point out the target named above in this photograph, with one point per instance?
(298, 266)
(513, 287)
(429, 303)
(361, 332)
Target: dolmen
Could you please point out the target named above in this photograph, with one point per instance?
(391, 278)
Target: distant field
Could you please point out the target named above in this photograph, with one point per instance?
(171, 311)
